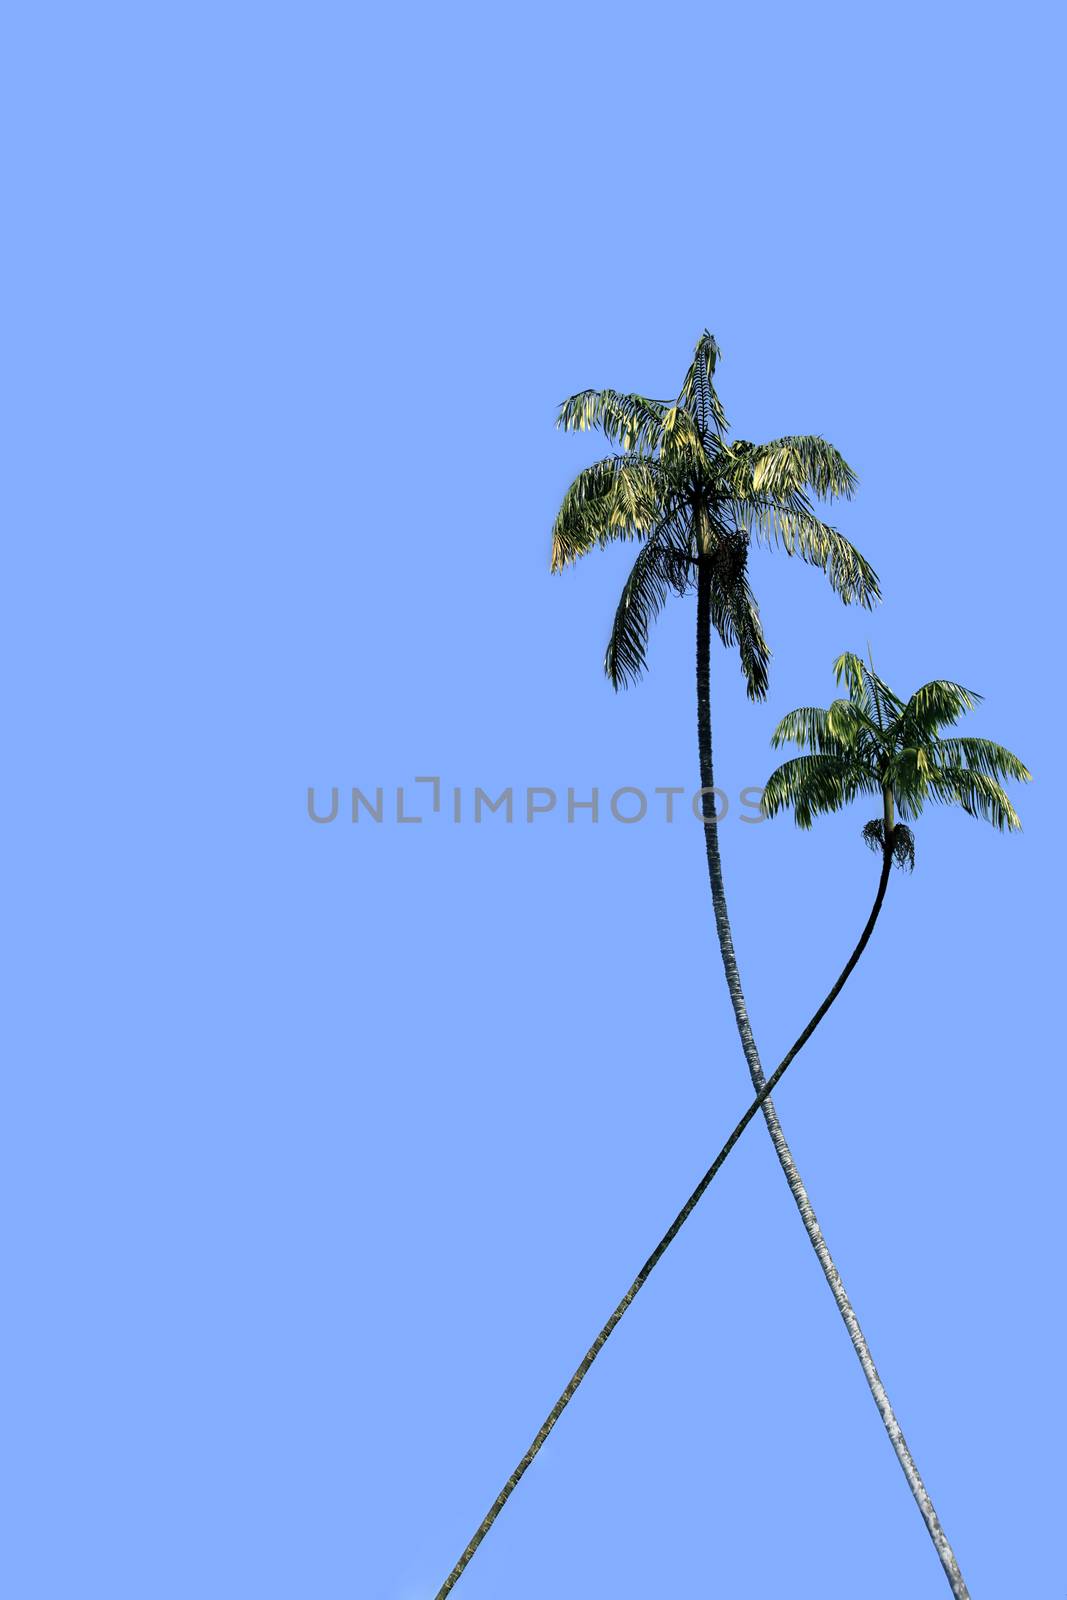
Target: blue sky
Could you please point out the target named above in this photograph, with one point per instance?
(327, 1149)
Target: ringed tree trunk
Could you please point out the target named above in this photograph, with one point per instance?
(770, 1115)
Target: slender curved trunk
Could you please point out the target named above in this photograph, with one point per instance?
(759, 1082)
(661, 1249)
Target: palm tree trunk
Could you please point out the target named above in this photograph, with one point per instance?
(661, 1249)
(774, 1127)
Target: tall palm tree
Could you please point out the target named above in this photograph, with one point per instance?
(695, 501)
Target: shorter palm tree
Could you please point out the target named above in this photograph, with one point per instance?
(876, 743)
(871, 743)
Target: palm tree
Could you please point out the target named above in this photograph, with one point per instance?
(695, 501)
(875, 743)
(869, 743)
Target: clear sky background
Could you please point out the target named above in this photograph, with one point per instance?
(326, 1150)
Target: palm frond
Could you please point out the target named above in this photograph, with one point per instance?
(735, 614)
(815, 784)
(909, 769)
(939, 704)
(849, 724)
(794, 527)
(682, 444)
(978, 794)
(980, 755)
(867, 690)
(697, 395)
(799, 462)
(806, 726)
(632, 420)
(644, 595)
(619, 497)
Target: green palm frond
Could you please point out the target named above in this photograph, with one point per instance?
(794, 527)
(981, 755)
(697, 395)
(632, 420)
(839, 728)
(978, 794)
(807, 726)
(866, 689)
(940, 704)
(620, 497)
(815, 784)
(644, 595)
(735, 614)
(906, 770)
(849, 723)
(683, 445)
(796, 463)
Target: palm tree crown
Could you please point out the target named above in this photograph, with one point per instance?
(876, 743)
(695, 500)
